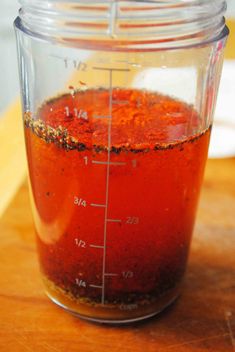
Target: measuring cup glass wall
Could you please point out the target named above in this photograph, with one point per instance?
(117, 115)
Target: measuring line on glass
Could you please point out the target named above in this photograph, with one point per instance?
(96, 246)
(113, 220)
(107, 184)
(111, 69)
(96, 286)
(98, 205)
(108, 163)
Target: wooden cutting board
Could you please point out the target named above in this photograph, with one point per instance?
(203, 319)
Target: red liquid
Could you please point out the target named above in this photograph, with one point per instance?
(114, 235)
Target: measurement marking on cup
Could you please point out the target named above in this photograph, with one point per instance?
(80, 202)
(114, 220)
(107, 162)
(96, 246)
(98, 205)
(96, 286)
(110, 69)
(80, 282)
(127, 274)
(107, 188)
(80, 243)
(132, 220)
(110, 274)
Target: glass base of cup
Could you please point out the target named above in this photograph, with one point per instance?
(109, 313)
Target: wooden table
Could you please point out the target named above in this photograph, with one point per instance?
(203, 319)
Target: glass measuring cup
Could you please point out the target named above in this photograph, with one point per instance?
(118, 102)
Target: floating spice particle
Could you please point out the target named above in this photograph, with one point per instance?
(66, 141)
(125, 127)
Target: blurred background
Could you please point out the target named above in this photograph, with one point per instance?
(9, 87)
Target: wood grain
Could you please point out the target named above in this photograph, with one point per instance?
(203, 319)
